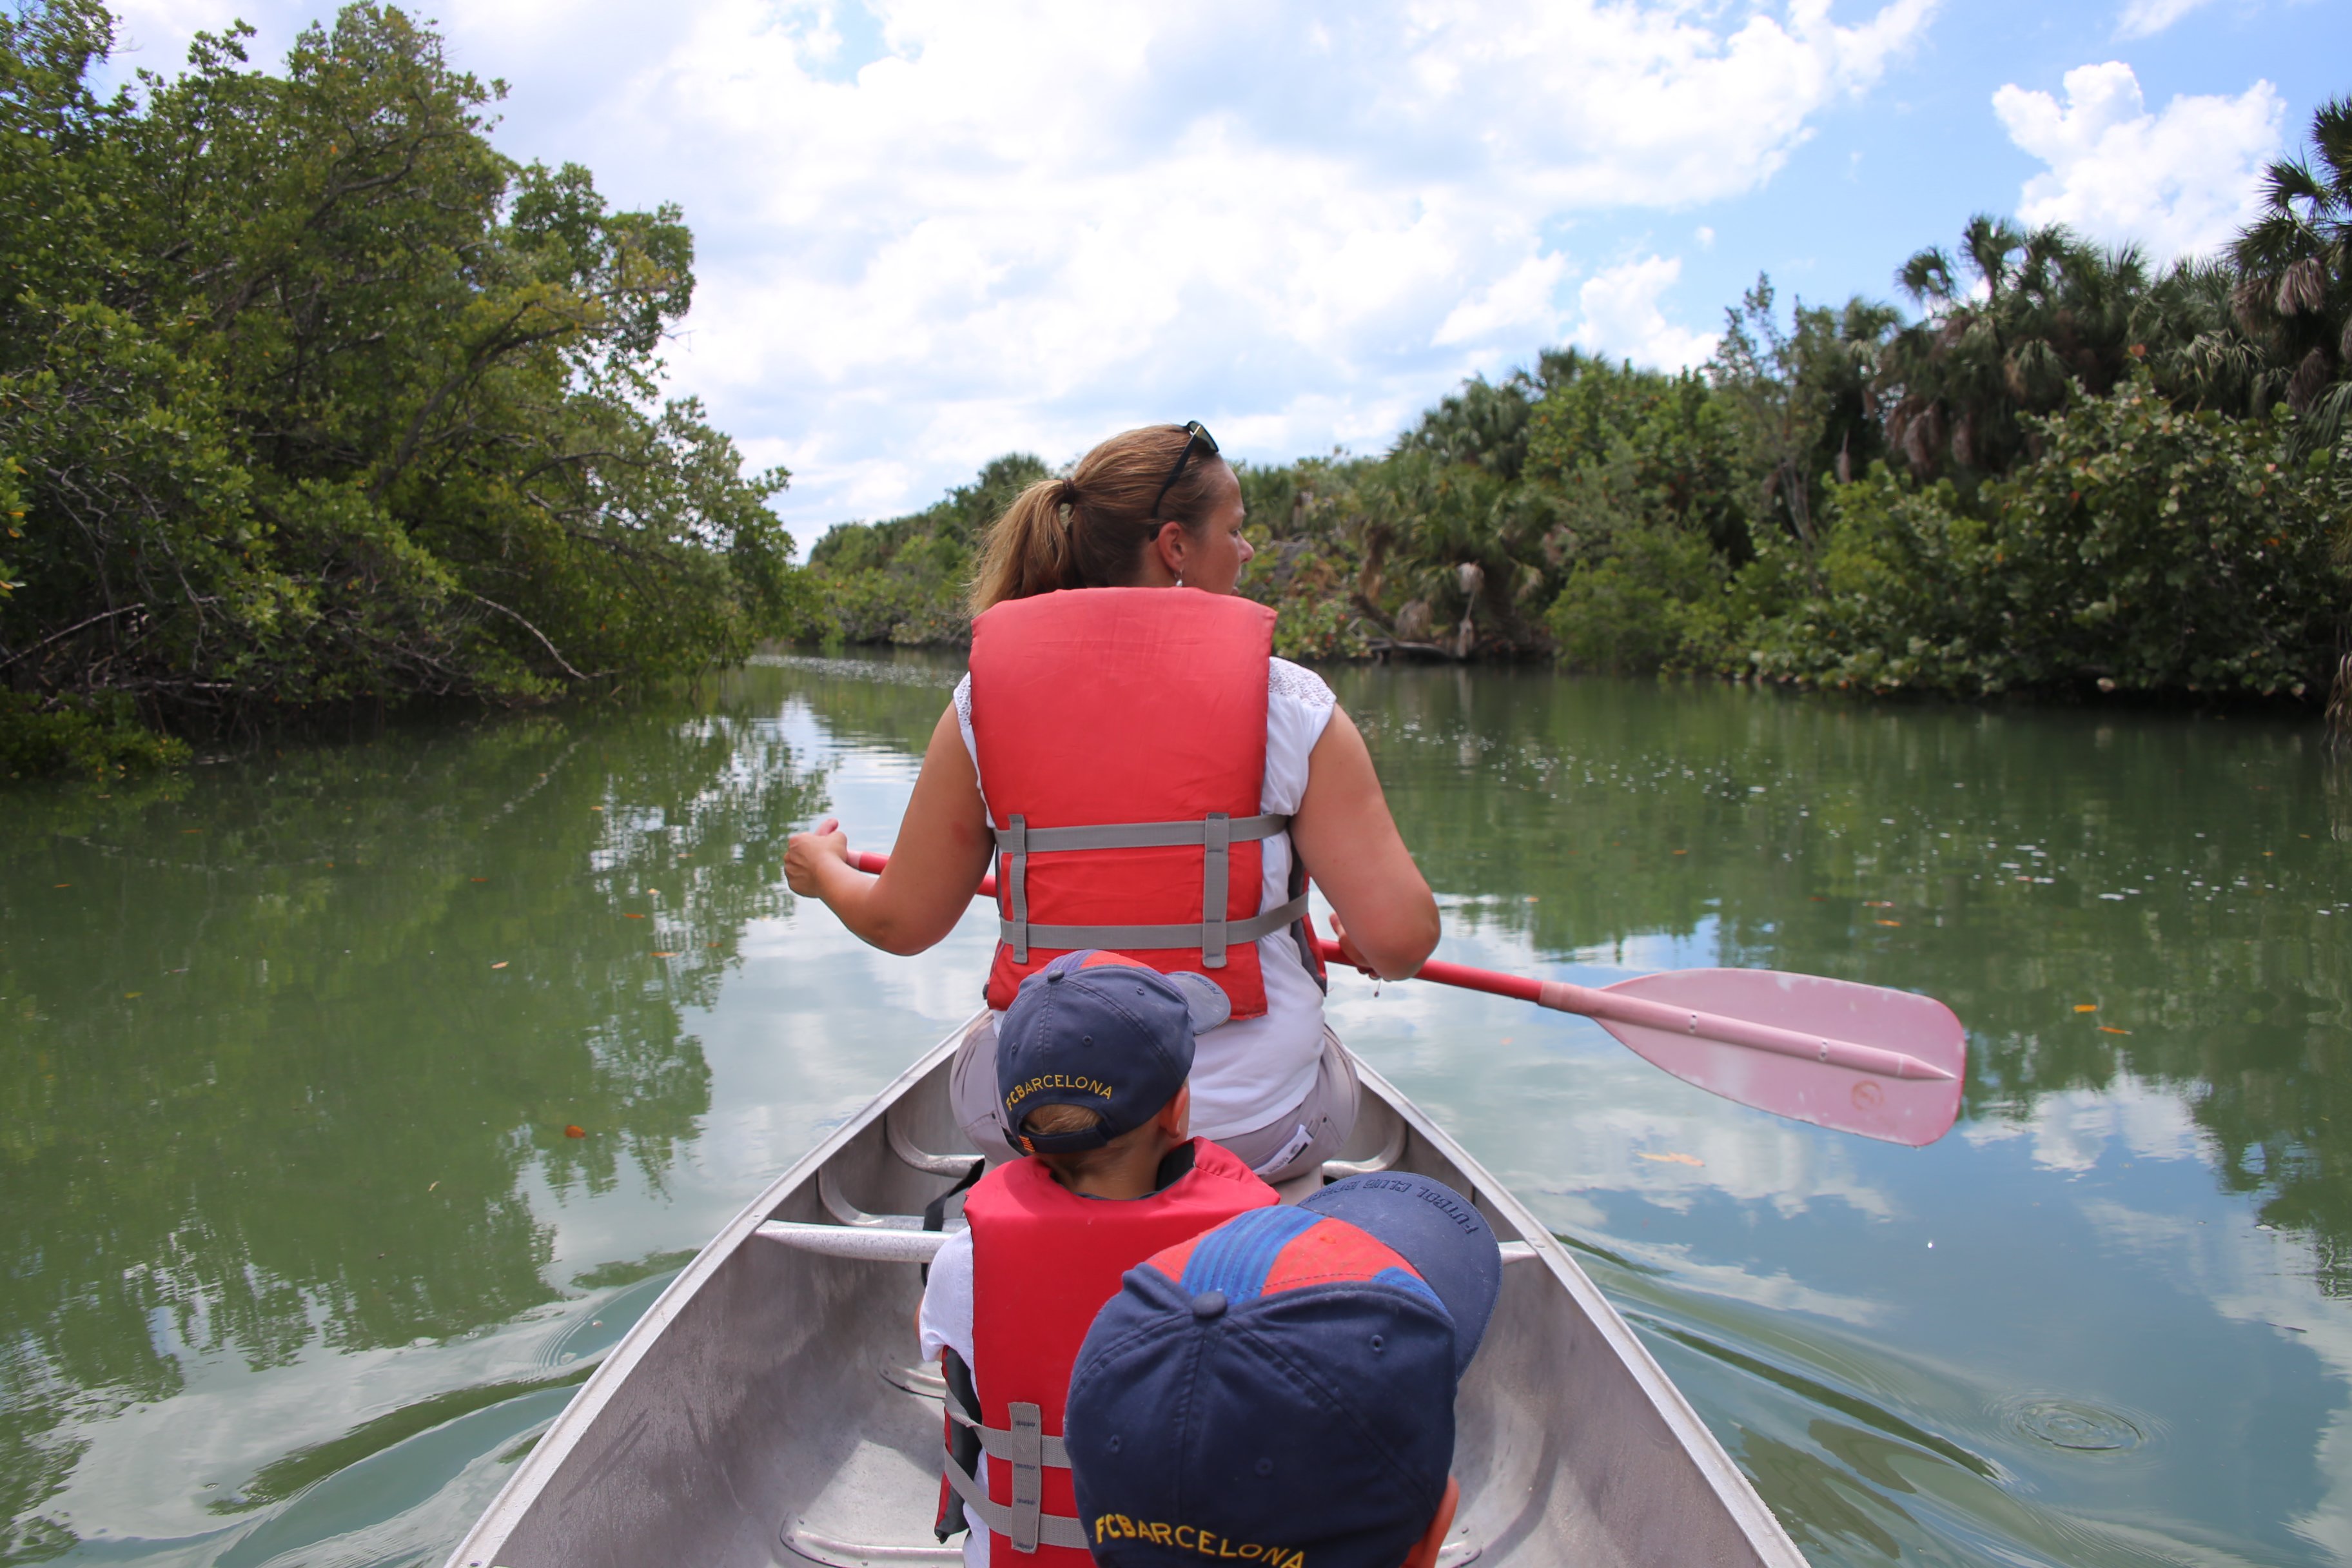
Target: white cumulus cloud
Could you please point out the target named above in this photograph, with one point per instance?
(1622, 317)
(930, 231)
(2178, 181)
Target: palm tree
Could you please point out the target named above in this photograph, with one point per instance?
(2022, 316)
(1806, 396)
(1484, 424)
(2201, 356)
(2294, 296)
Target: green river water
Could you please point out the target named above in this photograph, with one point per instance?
(299, 1255)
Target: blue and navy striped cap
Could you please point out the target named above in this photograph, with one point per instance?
(1277, 1390)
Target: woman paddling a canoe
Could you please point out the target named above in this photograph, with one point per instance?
(1153, 781)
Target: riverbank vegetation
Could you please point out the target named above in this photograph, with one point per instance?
(2063, 469)
(310, 398)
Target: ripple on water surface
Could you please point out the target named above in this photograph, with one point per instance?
(2077, 1426)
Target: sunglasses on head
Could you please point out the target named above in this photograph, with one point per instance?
(1196, 435)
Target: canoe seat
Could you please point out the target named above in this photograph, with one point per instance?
(1392, 1149)
(910, 1152)
(836, 1204)
(817, 1547)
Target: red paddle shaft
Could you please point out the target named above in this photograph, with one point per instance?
(1592, 1002)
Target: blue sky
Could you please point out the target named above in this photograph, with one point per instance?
(930, 231)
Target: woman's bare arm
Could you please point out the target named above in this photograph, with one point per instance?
(1348, 843)
(935, 869)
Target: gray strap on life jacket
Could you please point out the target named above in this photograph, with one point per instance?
(1002, 1443)
(1142, 938)
(1139, 834)
(1214, 935)
(1015, 842)
(1028, 1450)
(1216, 860)
(1028, 1510)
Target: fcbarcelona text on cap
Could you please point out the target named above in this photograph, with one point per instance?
(1207, 1542)
(1021, 1092)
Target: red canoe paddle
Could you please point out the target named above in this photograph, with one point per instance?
(1866, 1059)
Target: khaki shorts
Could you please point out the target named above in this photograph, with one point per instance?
(1291, 1145)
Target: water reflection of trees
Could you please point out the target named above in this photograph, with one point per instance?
(2234, 992)
(263, 1086)
(891, 698)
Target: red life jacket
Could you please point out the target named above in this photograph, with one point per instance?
(1043, 1261)
(1121, 739)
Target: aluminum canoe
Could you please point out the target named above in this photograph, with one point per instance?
(767, 1412)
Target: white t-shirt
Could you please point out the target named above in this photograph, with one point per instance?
(945, 1323)
(1249, 1072)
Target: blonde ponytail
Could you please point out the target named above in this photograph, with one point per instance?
(1028, 549)
(1090, 530)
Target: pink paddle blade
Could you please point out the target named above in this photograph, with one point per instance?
(1887, 1097)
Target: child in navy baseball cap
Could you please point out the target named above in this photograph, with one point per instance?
(1092, 1056)
(1280, 1390)
(1091, 1063)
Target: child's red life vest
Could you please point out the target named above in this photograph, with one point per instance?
(1043, 1261)
(1121, 739)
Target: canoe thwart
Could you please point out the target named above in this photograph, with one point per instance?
(817, 1547)
(876, 1244)
(922, 1380)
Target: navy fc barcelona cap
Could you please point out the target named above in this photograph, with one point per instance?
(1101, 1031)
(1278, 1390)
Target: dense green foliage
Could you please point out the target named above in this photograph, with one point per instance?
(2145, 549)
(904, 581)
(308, 394)
(2073, 471)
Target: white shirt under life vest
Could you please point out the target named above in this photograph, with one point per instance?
(1252, 1070)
